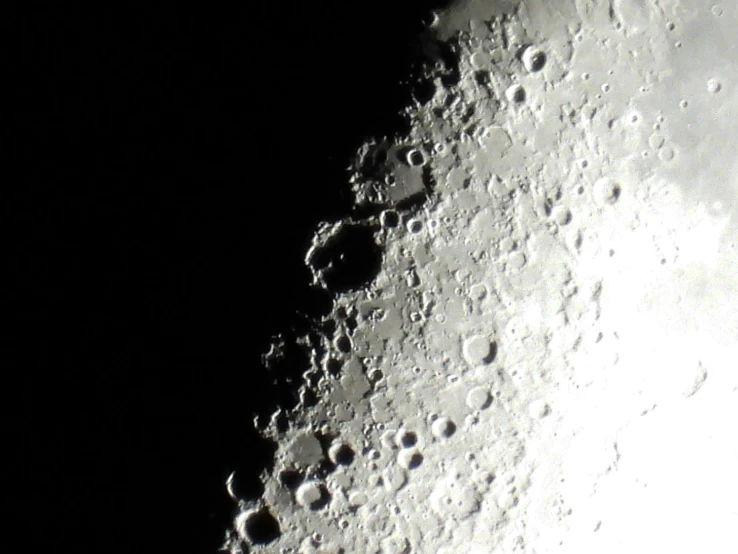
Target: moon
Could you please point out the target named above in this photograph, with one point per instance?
(544, 360)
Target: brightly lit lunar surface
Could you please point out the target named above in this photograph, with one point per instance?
(546, 361)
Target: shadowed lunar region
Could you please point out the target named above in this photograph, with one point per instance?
(543, 358)
(169, 167)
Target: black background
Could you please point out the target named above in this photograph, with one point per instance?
(165, 171)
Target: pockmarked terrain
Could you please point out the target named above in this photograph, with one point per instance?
(544, 360)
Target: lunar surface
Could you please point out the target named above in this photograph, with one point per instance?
(545, 358)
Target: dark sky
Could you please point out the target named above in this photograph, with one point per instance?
(166, 169)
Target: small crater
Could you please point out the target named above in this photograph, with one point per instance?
(656, 141)
(515, 94)
(351, 324)
(290, 478)
(478, 291)
(414, 157)
(482, 78)
(539, 409)
(358, 498)
(562, 215)
(714, 86)
(260, 527)
(389, 219)
(478, 398)
(666, 154)
(408, 439)
(375, 376)
(479, 349)
(414, 226)
(607, 191)
(312, 495)
(517, 261)
(341, 454)
(507, 245)
(308, 398)
(333, 366)
(533, 59)
(410, 459)
(343, 344)
(443, 428)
